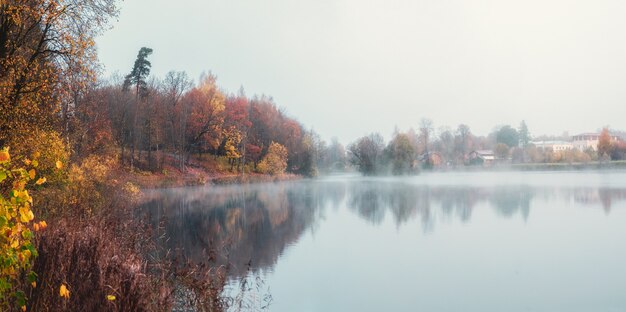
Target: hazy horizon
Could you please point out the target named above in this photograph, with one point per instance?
(347, 68)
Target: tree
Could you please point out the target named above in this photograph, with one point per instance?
(275, 161)
(46, 55)
(402, 155)
(507, 135)
(206, 107)
(524, 135)
(502, 151)
(174, 87)
(462, 138)
(141, 70)
(366, 153)
(137, 79)
(604, 144)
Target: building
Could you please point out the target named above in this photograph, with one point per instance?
(555, 146)
(481, 157)
(585, 141)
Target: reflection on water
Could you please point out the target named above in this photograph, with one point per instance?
(258, 223)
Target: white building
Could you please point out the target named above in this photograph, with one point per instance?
(585, 141)
(555, 146)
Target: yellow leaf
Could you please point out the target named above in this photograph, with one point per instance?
(41, 181)
(4, 156)
(59, 164)
(110, 297)
(32, 173)
(34, 284)
(64, 292)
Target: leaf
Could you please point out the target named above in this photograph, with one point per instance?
(59, 164)
(3, 175)
(41, 181)
(20, 298)
(110, 297)
(31, 277)
(64, 292)
(32, 173)
(3, 221)
(4, 156)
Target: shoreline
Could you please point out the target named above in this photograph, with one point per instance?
(195, 177)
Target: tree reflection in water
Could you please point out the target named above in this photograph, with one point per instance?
(254, 224)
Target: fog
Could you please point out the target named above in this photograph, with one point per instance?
(350, 67)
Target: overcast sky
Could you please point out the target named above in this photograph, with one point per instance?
(350, 67)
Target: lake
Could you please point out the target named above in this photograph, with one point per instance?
(469, 241)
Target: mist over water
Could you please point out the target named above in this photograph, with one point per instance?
(488, 241)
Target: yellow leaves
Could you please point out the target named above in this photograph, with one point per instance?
(110, 297)
(40, 226)
(41, 181)
(64, 292)
(26, 215)
(34, 284)
(4, 156)
(32, 173)
(59, 164)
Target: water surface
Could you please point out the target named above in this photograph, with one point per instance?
(500, 241)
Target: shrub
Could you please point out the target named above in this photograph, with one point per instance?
(17, 249)
(275, 162)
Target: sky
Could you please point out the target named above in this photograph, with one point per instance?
(346, 68)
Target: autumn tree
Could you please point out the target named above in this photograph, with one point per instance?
(173, 88)
(604, 144)
(206, 107)
(402, 155)
(502, 151)
(235, 128)
(46, 53)
(275, 161)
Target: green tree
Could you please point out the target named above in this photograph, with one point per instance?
(137, 78)
(507, 135)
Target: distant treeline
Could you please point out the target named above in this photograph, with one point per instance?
(411, 151)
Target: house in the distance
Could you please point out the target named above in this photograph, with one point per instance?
(585, 141)
(555, 146)
(481, 157)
